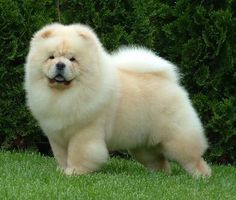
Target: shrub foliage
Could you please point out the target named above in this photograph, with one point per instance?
(199, 36)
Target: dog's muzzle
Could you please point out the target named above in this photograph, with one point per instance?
(60, 74)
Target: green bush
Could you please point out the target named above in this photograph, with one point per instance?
(200, 37)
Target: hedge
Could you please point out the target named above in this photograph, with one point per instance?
(198, 36)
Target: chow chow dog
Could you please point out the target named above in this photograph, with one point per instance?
(88, 101)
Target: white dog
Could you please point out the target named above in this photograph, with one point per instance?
(88, 102)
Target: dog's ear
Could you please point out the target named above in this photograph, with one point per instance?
(46, 34)
(87, 34)
(46, 31)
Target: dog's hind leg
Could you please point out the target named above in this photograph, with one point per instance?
(187, 151)
(152, 158)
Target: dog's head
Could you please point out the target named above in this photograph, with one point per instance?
(62, 55)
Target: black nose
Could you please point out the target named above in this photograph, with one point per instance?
(60, 66)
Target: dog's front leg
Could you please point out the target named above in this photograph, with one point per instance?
(87, 151)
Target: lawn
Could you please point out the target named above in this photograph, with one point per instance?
(31, 176)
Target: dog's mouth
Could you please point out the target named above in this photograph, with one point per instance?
(59, 79)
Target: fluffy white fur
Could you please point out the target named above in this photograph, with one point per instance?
(128, 100)
(142, 60)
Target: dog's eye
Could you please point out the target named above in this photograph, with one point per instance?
(72, 59)
(51, 57)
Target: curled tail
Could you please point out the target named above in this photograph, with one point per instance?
(142, 60)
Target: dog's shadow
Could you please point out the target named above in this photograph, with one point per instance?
(119, 166)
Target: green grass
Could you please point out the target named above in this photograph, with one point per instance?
(31, 176)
